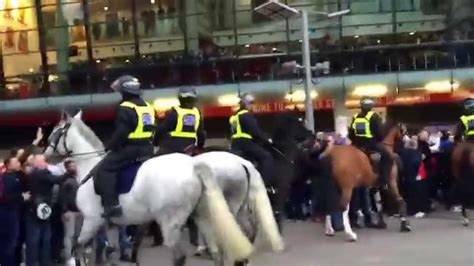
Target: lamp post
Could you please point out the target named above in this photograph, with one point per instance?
(278, 11)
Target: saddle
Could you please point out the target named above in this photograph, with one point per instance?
(125, 177)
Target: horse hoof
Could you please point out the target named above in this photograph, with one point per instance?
(405, 227)
(351, 237)
(465, 222)
(330, 232)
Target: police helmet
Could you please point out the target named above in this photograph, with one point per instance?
(246, 100)
(366, 103)
(187, 92)
(127, 84)
(469, 104)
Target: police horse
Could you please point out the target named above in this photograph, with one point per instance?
(167, 189)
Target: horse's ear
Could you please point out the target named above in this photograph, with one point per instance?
(78, 115)
(65, 116)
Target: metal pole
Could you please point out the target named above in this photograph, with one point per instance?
(308, 103)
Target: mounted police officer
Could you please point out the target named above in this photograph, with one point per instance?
(183, 126)
(366, 132)
(465, 125)
(131, 140)
(248, 139)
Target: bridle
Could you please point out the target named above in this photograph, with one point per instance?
(61, 133)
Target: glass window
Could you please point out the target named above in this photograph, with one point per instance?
(19, 50)
(111, 28)
(66, 44)
(160, 26)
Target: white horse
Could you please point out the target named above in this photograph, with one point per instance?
(167, 189)
(247, 198)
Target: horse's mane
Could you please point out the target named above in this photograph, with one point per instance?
(85, 131)
(388, 126)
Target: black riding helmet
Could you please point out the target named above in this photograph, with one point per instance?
(468, 105)
(246, 100)
(187, 96)
(366, 104)
(127, 85)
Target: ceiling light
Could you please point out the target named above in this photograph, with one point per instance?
(441, 86)
(247, 45)
(375, 90)
(300, 95)
(228, 100)
(378, 41)
(106, 8)
(357, 36)
(164, 104)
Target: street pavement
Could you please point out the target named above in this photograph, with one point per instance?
(437, 240)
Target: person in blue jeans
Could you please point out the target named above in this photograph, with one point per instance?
(38, 241)
(38, 224)
(11, 198)
(102, 244)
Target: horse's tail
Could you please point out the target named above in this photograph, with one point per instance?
(227, 232)
(260, 203)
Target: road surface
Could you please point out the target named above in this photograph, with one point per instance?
(438, 240)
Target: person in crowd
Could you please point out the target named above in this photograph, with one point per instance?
(366, 132)
(424, 147)
(446, 177)
(131, 140)
(103, 249)
(415, 178)
(183, 126)
(11, 198)
(71, 216)
(38, 226)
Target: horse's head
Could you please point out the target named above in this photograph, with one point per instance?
(58, 141)
(394, 131)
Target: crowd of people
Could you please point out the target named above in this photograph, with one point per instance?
(426, 180)
(39, 220)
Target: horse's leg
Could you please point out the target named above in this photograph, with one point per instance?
(89, 229)
(172, 239)
(465, 216)
(203, 225)
(351, 236)
(346, 197)
(402, 206)
(328, 225)
(380, 224)
(138, 237)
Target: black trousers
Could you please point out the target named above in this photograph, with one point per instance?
(172, 145)
(106, 177)
(386, 161)
(252, 151)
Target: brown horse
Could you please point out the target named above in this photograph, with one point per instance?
(352, 168)
(463, 171)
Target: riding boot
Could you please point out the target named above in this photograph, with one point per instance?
(112, 208)
(112, 211)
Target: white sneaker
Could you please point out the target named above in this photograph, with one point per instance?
(420, 215)
(456, 209)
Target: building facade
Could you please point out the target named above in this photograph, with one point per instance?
(52, 48)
